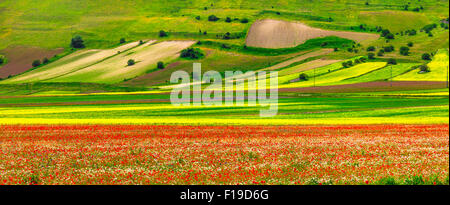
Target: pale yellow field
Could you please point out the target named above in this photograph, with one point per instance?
(68, 64)
(438, 69)
(115, 69)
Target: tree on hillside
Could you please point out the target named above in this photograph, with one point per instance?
(424, 69)
(404, 50)
(410, 44)
(392, 61)
(122, 40)
(371, 48)
(131, 62)
(426, 56)
(390, 36)
(385, 32)
(77, 42)
(45, 60)
(371, 55)
(244, 20)
(1, 60)
(228, 20)
(36, 63)
(213, 18)
(162, 33)
(389, 48)
(160, 65)
(303, 77)
(347, 64)
(192, 53)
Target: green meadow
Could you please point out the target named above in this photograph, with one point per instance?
(97, 84)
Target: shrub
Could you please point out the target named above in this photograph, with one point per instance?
(225, 46)
(197, 17)
(392, 61)
(363, 59)
(244, 20)
(131, 62)
(160, 65)
(162, 33)
(191, 53)
(324, 44)
(213, 18)
(426, 56)
(36, 63)
(371, 55)
(410, 44)
(77, 42)
(389, 48)
(424, 69)
(303, 77)
(371, 48)
(335, 49)
(390, 36)
(122, 40)
(385, 32)
(347, 64)
(357, 61)
(404, 50)
(45, 61)
(228, 20)
(141, 42)
(1, 60)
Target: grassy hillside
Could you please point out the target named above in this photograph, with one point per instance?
(51, 23)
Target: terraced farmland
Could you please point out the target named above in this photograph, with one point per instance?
(337, 77)
(105, 66)
(438, 70)
(115, 69)
(71, 63)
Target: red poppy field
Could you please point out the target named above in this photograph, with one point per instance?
(163, 154)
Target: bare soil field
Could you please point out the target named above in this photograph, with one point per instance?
(270, 33)
(21, 57)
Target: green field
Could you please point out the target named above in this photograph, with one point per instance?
(79, 84)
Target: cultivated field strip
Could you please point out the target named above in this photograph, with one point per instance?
(115, 69)
(68, 64)
(438, 69)
(337, 77)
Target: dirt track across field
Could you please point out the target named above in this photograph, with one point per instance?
(270, 33)
(20, 58)
(299, 58)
